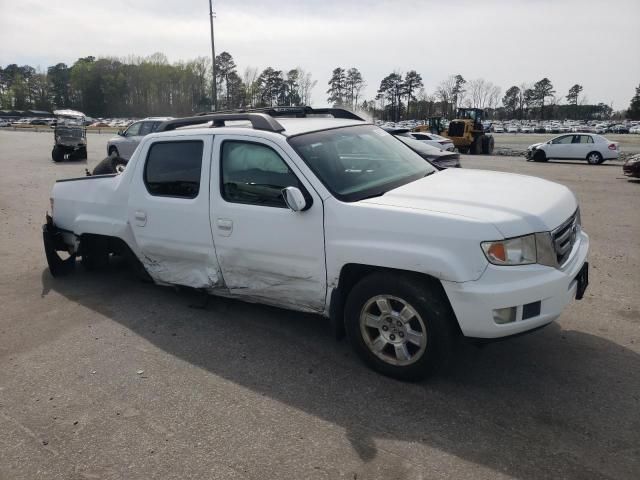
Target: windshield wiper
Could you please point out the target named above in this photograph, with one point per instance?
(429, 173)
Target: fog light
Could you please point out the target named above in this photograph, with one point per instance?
(504, 315)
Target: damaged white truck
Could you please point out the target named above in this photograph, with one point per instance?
(319, 211)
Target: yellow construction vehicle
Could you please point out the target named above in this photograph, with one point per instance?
(465, 131)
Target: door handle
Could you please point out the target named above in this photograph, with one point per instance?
(141, 218)
(225, 226)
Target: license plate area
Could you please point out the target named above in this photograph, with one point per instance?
(583, 281)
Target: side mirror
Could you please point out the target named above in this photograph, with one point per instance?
(294, 199)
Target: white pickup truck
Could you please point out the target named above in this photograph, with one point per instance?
(326, 213)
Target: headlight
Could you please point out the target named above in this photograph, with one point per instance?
(513, 251)
(534, 248)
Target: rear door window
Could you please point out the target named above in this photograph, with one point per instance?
(173, 169)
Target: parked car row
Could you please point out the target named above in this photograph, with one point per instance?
(555, 126)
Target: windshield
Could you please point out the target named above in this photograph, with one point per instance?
(359, 162)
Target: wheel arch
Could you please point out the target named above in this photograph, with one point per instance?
(352, 273)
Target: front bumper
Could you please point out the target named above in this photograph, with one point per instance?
(631, 169)
(503, 287)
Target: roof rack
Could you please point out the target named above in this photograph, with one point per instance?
(259, 121)
(260, 118)
(296, 112)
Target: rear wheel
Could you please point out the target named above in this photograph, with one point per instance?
(57, 154)
(398, 326)
(595, 158)
(95, 252)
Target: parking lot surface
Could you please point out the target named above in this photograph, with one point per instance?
(105, 377)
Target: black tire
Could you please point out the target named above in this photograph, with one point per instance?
(95, 252)
(80, 154)
(109, 165)
(540, 156)
(488, 144)
(594, 158)
(476, 146)
(432, 310)
(57, 154)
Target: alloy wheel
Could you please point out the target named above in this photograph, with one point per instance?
(393, 330)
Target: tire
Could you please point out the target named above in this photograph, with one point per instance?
(488, 144)
(429, 322)
(594, 158)
(95, 252)
(57, 154)
(476, 146)
(539, 156)
(110, 165)
(80, 154)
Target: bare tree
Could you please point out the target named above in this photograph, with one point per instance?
(494, 96)
(482, 93)
(250, 81)
(305, 84)
(445, 93)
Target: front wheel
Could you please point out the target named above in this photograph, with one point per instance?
(398, 326)
(595, 158)
(539, 156)
(57, 154)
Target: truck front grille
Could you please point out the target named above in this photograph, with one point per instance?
(564, 237)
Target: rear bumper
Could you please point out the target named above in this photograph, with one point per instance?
(503, 287)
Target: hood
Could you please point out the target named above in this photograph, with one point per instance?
(514, 204)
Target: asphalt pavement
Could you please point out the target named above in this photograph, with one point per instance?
(106, 377)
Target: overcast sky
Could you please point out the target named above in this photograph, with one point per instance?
(596, 44)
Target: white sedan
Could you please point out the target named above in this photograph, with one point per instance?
(434, 140)
(593, 148)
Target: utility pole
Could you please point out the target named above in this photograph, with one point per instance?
(214, 93)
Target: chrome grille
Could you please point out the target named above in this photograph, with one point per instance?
(564, 237)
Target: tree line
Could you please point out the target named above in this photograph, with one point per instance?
(146, 86)
(142, 86)
(537, 101)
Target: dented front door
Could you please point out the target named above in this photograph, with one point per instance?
(267, 252)
(168, 211)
